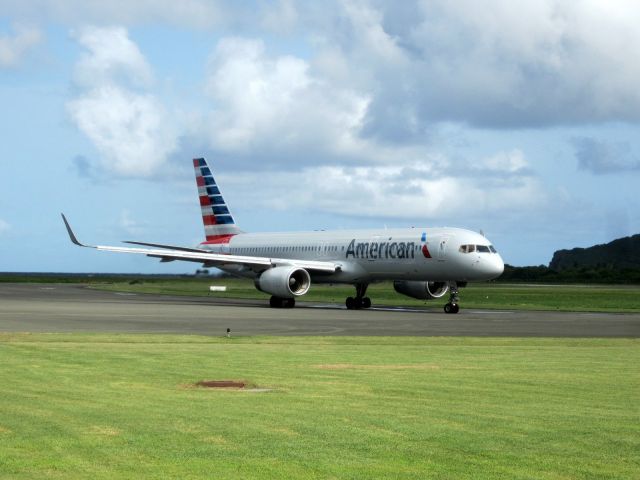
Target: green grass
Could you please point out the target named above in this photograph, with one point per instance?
(595, 298)
(122, 406)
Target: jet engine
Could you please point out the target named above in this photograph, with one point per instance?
(284, 282)
(421, 290)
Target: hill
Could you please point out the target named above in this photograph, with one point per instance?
(623, 253)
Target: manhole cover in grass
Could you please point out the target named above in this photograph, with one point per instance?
(221, 384)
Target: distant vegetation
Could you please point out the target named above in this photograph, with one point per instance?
(544, 274)
(614, 262)
(620, 254)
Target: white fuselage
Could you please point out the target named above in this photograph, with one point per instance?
(429, 254)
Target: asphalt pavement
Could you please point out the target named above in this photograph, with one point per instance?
(76, 308)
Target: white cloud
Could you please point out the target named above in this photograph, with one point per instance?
(110, 56)
(410, 190)
(275, 103)
(14, 47)
(126, 127)
(530, 62)
(4, 227)
(492, 64)
(283, 111)
(130, 128)
(353, 123)
(367, 24)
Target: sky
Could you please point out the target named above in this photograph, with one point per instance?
(519, 119)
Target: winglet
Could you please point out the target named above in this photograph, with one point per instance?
(72, 235)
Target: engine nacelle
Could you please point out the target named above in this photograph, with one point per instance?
(421, 290)
(284, 282)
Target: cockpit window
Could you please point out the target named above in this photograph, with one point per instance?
(478, 248)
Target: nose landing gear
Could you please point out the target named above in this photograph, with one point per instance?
(452, 306)
(360, 301)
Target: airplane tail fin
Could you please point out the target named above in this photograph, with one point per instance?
(219, 225)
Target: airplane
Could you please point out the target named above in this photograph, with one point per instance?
(423, 263)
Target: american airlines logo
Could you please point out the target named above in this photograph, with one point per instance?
(381, 250)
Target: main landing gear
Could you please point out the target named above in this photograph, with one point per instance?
(452, 306)
(360, 301)
(278, 302)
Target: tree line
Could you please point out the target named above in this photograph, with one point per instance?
(585, 274)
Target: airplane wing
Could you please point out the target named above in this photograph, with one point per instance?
(168, 253)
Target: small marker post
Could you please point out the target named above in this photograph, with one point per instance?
(228, 333)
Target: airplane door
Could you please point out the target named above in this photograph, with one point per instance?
(324, 250)
(442, 248)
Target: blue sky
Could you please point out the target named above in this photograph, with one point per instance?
(517, 118)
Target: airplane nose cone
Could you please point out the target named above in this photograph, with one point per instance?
(488, 267)
(496, 266)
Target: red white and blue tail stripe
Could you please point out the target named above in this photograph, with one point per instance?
(219, 225)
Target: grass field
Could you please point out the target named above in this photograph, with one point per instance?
(594, 298)
(123, 406)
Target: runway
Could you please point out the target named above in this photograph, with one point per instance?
(59, 308)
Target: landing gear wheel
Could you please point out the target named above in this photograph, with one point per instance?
(354, 303)
(359, 301)
(350, 303)
(451, 308)
(289, 303)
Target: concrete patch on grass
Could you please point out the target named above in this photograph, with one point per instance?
(227, 385)
(221, 383)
